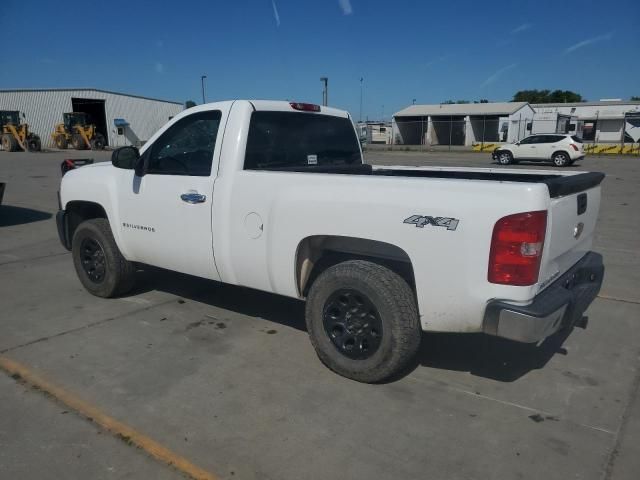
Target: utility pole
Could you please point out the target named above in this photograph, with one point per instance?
(325, 91)
(202, 83)
(361, 80)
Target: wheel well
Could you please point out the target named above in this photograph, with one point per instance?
(80, 211)
(317, 253)
(560, 151)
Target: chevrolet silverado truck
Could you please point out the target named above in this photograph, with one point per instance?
(275, 196)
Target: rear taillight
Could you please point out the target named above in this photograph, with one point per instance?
(575, 147)
(305, 107)
(516, 248)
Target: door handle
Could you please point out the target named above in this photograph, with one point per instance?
(193, 197)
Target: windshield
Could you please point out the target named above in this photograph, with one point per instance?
(9, 117)
(75, 119)
(295, 139)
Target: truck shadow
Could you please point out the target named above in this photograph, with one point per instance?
(11, 216)
(245, 301)
(486, 356)
(481, 355)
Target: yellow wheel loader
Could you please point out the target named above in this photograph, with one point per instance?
(77, 132)
(15, 136)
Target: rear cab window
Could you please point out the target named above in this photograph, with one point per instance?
(294, 140)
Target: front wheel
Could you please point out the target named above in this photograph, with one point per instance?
(98, 142)
(505, 158)
(560, 159)
(100, 266)
(363, 321)
(34, 144)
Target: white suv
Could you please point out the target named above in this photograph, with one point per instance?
(561, 149)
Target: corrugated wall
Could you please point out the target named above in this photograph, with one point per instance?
(44, 108)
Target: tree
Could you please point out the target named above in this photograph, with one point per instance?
(635, 99)
(189, 104)
(547, 96)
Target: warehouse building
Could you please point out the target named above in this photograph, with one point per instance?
(605, 121)
(121, 118)
(462, 123)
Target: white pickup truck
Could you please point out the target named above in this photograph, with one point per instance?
(275, 196)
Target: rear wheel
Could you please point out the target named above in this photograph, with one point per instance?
(9, 143)
(78, 142)
(363, 321)
(100, 266)
(61, 142)
(560, 159)
(97, 143)
(505, 158)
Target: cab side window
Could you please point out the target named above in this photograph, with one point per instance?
(186, 148)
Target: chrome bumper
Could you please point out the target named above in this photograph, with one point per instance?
(561, 304)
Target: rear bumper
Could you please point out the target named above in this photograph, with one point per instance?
(560, 305)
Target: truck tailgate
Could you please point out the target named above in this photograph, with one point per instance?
(571, 223)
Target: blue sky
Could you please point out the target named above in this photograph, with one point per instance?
(430, 51)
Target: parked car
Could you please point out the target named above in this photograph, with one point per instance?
(275, 196)
(562, 150)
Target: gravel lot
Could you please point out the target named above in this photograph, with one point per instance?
(226, 377)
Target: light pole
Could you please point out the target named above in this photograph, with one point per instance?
(361, 80)
(202, 83)
(325, 91)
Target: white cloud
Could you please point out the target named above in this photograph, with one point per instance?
(345, 5)
(492, 78)
(589, 41)
(521, 28)
(159, 67)
(276, 15)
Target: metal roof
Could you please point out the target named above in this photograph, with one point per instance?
(587, 104)
(85, 90)
(497, 108)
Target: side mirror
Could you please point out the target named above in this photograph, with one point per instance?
(125, 157)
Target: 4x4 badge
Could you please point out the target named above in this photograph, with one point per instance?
(421, 220)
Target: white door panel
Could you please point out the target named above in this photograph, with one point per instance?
(166, 214)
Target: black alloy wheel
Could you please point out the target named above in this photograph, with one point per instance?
(352, 323)
(93, 260)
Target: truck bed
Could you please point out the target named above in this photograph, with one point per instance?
(558, 185)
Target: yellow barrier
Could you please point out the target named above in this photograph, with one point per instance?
(607, 148)
(486, 147)
(589, 148)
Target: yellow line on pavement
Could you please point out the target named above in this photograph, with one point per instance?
(93, 414)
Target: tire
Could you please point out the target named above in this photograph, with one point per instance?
(78, 142)
(356, 291)
(505, 157)
(61, 142)
(34, 144)
(9, 143)
(560, 159)
(100, 266)
(97, 143)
